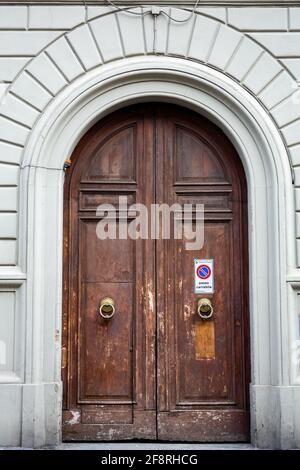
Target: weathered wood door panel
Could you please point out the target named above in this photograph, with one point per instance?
(202, 364)
(156, 370)
(109, 374)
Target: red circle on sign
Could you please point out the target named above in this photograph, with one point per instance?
(203, 271)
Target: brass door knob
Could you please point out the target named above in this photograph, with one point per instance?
(205, 309)
(107, 308)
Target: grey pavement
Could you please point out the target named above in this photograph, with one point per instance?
(143, 446)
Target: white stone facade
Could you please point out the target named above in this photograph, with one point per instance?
(62, 67)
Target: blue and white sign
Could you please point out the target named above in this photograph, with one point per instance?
(204, 276)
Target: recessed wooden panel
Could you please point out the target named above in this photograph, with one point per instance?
(106, 346)
(105, 260)
(91, 200)
(114, 160)
(209, 380)
(195, 159)
(212, 202)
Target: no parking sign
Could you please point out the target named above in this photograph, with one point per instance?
(204, 276)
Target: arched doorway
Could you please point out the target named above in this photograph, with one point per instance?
(156, 369)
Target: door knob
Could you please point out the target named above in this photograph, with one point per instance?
(205, 308)
(107, 308)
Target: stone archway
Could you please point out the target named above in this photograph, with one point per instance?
(266, 165)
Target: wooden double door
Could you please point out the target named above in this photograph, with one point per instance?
(155, 370)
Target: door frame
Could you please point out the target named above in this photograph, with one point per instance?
(270, 214)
